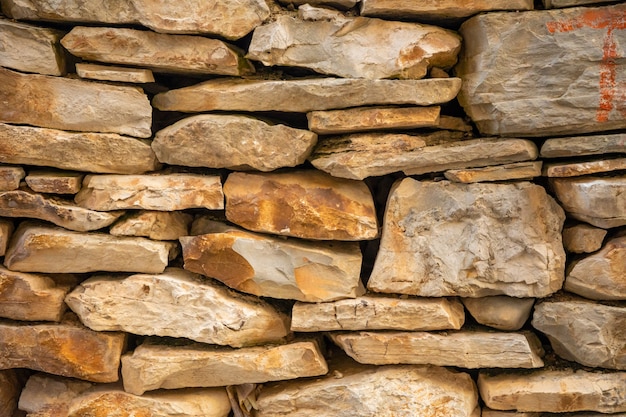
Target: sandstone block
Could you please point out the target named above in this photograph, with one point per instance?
(10, 177)
(305, 204)
(116, 74)
(234, 142)
(54, 182)
(157, 225)
(499, 311)
(9, 392)
(583, 238)
(506, 172)
(340, 4)
(576, 169)
(471, 240)
(584, 145)
(50, 394)
(6, 230)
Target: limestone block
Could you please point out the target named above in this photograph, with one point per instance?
(51, 394)
(304, 204)
(63, 103)
(528, 74)
(304, 95)
(583, 238)
(54, 182)
(584, 145)
(117, 74)
(499, 311)
(340, 4)
(471, 240)
(9, 392)
(157, 225)
(576, 169)
(10, 177)
(176, 303)
(162, 192)
(506, 172)
(234, 142)
(6, 230)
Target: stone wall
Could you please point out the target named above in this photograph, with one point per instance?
(341, 208)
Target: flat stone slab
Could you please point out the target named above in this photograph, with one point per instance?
(54, 182)
(117, 74)
(339, 4)
(576, 169)
(584, 145)
(569, 3)
(49, 395)
(506, 172)
(499, 311)
(156, 225)
(470, 240)
(583, 238)
(10, 177)
(176, 303)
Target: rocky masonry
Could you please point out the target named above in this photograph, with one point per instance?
(259, 208)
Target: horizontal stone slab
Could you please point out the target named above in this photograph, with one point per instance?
(506, 172)
(10, 177)
(116, 74)
(584, 145)
(156, 225)
(54, 182)
(499, 311)
(340, 4)
(576, 169)
(47, 395)
(583, 238)
(569, 3)
(437, 9)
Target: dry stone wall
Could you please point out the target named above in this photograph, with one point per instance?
(325, 208)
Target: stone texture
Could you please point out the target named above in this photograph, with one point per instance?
(234, 142)
(63, 103)
(360, 156)
(506, 172)
(472, 240)
(92, 152)
(66, 349)
(9, 392)
(163, 192)
(54, 182)
(153, 366)
(38, 248)
(379, 313)
(304, 95)
(158, 51)
(528, 74)
(601, 276)
(499, 311)
(584, 145)
(495, 413)
(117, 74)
(340, 4)
(10, 177)
(576, 169)
(437, 9)
(464, 349)
(569, 3)
(157, 225)
(6, 230)
(50, 394)
(600, 201)
(305, 204)
(555, 391)
(349, 47)
(583, 238)
(176, 303)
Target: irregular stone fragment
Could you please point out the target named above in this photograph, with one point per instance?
(584, 145)
(528, 74)
(304, 95)
(54, 182)
(305, 204)
(10, 177)
(379, 313)
(349, 47)
(465, 349)
(576, 169)
(158, 51)
(234, 142)
(46, 393)
(569, 3)
(157, 225)
(9, 392)
(91, 152)
(471, 240)
(454, 123)
(340, 4)
(583, 238)
(600, 201)
(165, 192)
(601, 276)
(64, 103)
(499, 311)
(6, 230)
(38, 248)
(555, 391)
(506, 172)
(176, 303)
(110, 73)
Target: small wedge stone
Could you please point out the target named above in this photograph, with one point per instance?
(507, 172)
(499, 311)
(584, 145)
(50, 394)
(6, 230)
(118, 74)
(577, 169)
(583, 238)
(54, 182)
(9, 392)
(10, 177)
(156, 225)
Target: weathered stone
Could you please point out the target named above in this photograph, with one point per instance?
(601, 276)
(600, 201)
(554, 391)
(6, 230)
(176, 303)
(465, 349)
(379, 313)
(52, 394)
(576, 169)
(340, 4)
(158, 51)
(63, 103)
(454, 123)
(30, 48)
(305, 204)
(234, 142)
(157, 225)
(360, 156)
(499, 311)
(54, 182)
(352, 390)
(305, 95)
(10, 177)
(472, 240)
(66, 349)
(350, 47)
(528, 74)
(9, 392)
(569, 3)
(506, 172)
(487, 412)
(38, 248)
(118, 74)
(164, 192)
(584, 145)
(92, 152)
(583, 238)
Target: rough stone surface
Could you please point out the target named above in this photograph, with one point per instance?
(54, 182)
(576, 169)
(118, 74)
(506, 172)
(176, 303)
(569, 3)
(157, 225)
(164, 192)
(528, 74)
(10, 177)
(584, 145)
(63, 103)
(9, 392)
(600, 201)
(583, 238)
(305, 95)
(437, 9)
(499, 311)
(50, 394)
(379, 313)
(6, 230)
(158, 51)
(234, 142)
(472, 240)
(487, 412)
(340, 4)
(305, 204)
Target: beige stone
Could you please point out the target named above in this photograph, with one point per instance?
(487, 412)
(38, 248)
(499, 311)
(555, 391)
(304, 95)
(305, 204)
(157, 51)
(437, 9)
(471, 240)
(6, 230)
(63, 103)
(50, 394)
(117, 74)
(176, 303)
(9, 392)
(584, 145)
(506, 172)
(576, 169)
(340, 4)
(570, 3)
(234, 142)
(583, 238)
(10, 177)
(54, 182)
(157, 225)
(162, 192)
(91, 152)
